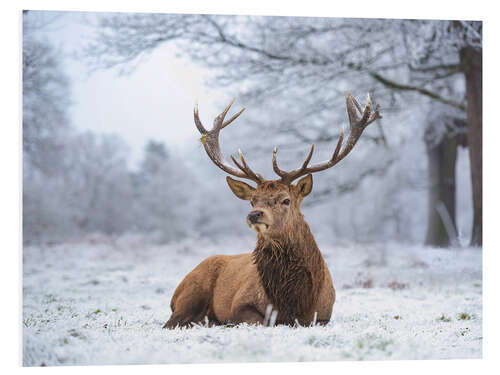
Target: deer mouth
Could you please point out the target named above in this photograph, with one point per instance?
(259, 227)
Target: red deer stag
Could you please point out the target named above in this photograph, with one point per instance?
(286, 271)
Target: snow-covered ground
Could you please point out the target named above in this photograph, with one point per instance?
(104, 302)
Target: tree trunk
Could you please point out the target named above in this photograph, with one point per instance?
(471, 61)
(441, 227)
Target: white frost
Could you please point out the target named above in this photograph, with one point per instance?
(104, 302)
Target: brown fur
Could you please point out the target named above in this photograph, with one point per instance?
(285, 270)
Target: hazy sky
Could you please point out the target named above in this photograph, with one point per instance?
(155, 101)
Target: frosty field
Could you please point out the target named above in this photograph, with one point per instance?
(104, 302)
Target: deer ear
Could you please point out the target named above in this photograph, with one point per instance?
(240, 189)
(305, 185)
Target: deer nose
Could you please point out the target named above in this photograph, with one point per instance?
(254, 216)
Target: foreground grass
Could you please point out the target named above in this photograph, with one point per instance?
(105, 304)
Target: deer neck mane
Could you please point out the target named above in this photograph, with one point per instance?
(291, 270)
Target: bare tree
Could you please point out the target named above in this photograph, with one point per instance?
(443, 136)
(73, 183)
(97, 184)
(471, 63)
(45, 130)
(46, 94)
(163, 205)
(448, 52)
(76, 183)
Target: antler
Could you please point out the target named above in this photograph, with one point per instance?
(210, 140)
(356, 127)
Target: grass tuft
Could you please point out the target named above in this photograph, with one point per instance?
(464, 316)
(444, 318)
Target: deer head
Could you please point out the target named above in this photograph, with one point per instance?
(276, 203)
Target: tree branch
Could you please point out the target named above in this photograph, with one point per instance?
(398, 86)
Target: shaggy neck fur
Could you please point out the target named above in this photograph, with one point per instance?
(291, 270)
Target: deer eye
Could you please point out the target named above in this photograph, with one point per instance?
(286, 202)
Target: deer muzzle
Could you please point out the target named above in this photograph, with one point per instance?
(254, 217)
(256, 221)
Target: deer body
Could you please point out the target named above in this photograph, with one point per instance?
(236, 295)
(286, 272)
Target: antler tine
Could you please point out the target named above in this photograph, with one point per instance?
(226, 123)
(245, 168)
(355, 103)
(375, 115)
(276, 169)
(219, 120)
(339, 145)
(356, 127)
(352, 105)
(197, 121)
(367, 118)
(366, 112)
(210, 141)
(308, 158)
(292, 175)
(326, 164)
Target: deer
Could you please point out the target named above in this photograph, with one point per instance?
(285, 279)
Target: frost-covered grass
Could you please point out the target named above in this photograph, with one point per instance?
(102, 302)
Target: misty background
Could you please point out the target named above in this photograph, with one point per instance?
(110, 147)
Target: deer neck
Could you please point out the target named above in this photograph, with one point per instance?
(291, 270)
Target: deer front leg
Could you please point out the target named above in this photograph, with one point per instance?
(247, 313)
(250, 305)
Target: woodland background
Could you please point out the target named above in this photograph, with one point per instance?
(414, 177)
